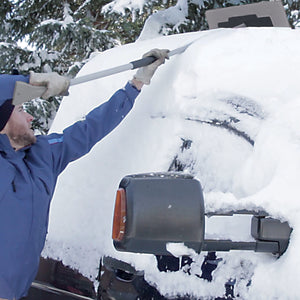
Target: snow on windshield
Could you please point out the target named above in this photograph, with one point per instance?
(232, 98)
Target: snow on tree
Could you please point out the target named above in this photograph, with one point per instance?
(62, 35)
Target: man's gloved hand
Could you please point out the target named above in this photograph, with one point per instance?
(56, 84)
(145, 74)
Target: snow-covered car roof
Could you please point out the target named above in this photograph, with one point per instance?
(233, 96)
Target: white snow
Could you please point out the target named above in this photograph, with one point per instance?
(220, 74)
(120, 6)
(154, 25)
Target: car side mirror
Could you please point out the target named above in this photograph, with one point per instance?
(154, 209)
(159, 208)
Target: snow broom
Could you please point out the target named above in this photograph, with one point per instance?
(155, 209)
(25, 92)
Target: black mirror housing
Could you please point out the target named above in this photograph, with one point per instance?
(155, 209)
(162, 208)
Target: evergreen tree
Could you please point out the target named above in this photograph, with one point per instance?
(62, 35)
(128, 22)
(190, 14)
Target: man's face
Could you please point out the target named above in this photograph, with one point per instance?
(18, 128)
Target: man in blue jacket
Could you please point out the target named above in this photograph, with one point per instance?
(30, 165)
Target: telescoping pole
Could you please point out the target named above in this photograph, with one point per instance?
(24, 92)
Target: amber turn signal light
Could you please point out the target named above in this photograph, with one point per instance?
(119, 216)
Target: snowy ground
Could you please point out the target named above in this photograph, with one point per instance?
(222, 75)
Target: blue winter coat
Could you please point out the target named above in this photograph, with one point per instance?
(27, 181)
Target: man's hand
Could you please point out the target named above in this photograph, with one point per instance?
(145, 74)
(56, 84)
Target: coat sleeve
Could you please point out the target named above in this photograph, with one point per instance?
(79, 138)
(7, 84)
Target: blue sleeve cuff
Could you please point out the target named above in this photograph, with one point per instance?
(131, 91)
